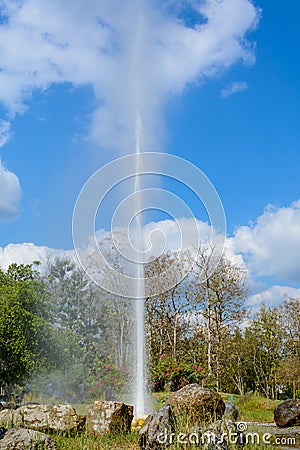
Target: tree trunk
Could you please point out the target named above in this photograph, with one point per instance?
(175, 339)
(209, 335)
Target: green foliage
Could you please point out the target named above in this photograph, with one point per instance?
(25, 336)
(264, 340)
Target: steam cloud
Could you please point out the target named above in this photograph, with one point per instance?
(134, 54)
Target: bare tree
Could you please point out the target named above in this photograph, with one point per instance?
(219, 298)
(168, 312)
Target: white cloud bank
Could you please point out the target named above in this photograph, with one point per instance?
(161, 236)
(134, 54)
(273, 296)
(27, 252)
(10, 194)
(271, 246)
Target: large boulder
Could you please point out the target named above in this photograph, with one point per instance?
(197, 405)
(41, 417)
(157, 429)
(23, 439)
(108, 417)
(287, 414)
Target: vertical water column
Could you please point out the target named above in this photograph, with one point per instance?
(140, 375)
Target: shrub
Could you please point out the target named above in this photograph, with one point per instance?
(172, 375)
(108, 375)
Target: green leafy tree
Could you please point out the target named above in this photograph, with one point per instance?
(25, 332)
(290, 323)
(264, 340)
(77, 315)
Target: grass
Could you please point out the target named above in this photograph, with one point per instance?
(125, 442)
(159, 398)
(254, 408)
(84, 441)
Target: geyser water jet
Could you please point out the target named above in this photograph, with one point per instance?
(140, 353)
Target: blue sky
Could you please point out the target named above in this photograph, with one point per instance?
(236, 117)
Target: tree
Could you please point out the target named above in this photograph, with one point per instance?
(290, 322)
(219, 298)
(288, 373)
(237, 362)
(118, 320)
(77, 314)
(117, 317)
(264, 337)
(25, 332)
(167, 312)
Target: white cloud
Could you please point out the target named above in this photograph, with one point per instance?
(26, 253)
(10, 194)
(4, 132)
(175, 235)
(273, 296)
(271, 246)
(134, 54)
(234, 88)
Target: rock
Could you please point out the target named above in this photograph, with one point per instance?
(21, 439)
(287, 414)
(157, 429)
(41, 417)
(109, 416)
(231, 411)
(3, 405)
(221, 435)
(198, 405)
(161, 430)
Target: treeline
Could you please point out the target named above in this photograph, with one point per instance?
(60, 324)
(202, 325)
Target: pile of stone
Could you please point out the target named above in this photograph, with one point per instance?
(200, 412)
(25, 427)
